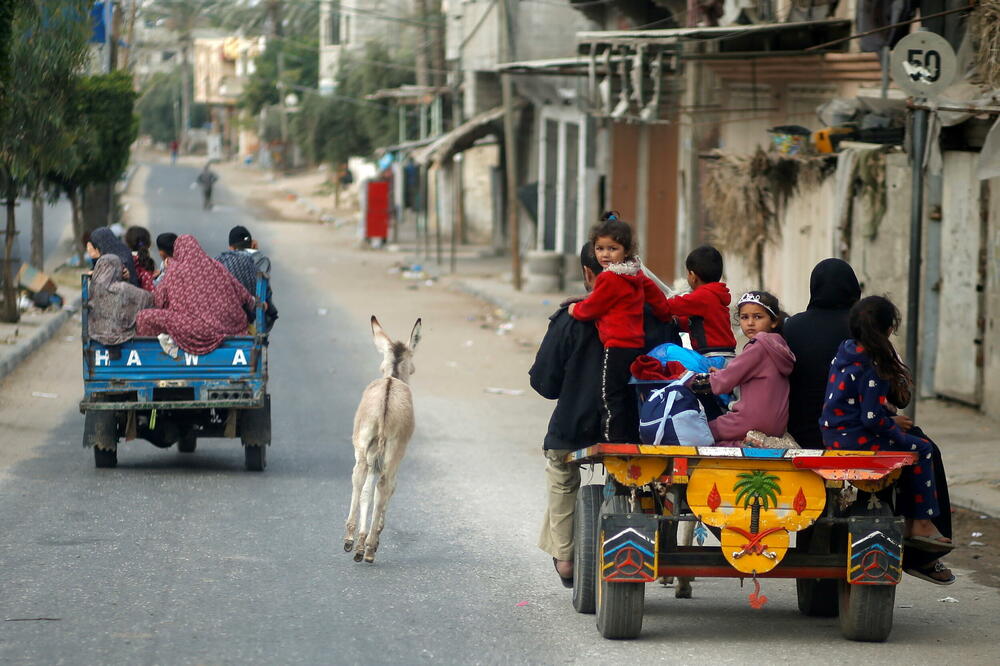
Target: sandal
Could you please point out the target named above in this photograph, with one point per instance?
(935, 572)
(567, 582)
(933, 543)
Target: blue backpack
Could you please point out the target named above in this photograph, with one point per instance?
(671, 415)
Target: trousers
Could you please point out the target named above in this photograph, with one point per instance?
(562, 483)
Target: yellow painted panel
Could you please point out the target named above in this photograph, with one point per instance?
(772, 549)
(636, 471)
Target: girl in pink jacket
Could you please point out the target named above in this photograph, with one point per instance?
(760, 371)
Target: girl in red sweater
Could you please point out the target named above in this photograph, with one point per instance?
(616, 307)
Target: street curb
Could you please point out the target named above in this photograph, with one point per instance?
(492, 299)
(41, 335)
(962, 500)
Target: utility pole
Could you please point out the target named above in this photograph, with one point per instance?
(510, 143)
(423, 65)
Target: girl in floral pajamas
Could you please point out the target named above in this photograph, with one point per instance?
(867, 381)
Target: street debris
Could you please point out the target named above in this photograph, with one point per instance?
(949, 600)
(976, 534)
(503, 391)
(976, 543)
(322, 312)
(468, 343)
(41, 394)
(521, 604)
(905, 606)
(36, 619)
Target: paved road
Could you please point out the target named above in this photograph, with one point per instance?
(174, 559)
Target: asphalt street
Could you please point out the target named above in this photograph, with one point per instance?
(189, 559)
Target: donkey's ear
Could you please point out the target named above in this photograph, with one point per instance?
(382, 341)
(415, 335)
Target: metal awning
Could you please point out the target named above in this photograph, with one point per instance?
(409, 94)
(752, 38)
(574, 66)
(462, 137)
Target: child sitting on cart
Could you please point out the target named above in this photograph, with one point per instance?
(616, 306)
(760, 371)
(866, 377)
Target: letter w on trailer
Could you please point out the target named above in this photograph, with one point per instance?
(142, 392)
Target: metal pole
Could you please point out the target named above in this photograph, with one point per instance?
(916, 232)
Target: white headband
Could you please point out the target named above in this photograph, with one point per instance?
(750, 297)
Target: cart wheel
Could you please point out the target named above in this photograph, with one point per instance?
(619, 605)
(100, 431)
(188, 442)
(255, 425)
(866, 611)
(256, 457)
(586, 521)
(105, 458)
(817, 596)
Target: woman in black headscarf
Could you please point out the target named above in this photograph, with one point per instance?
(814, 336)
(103, 241)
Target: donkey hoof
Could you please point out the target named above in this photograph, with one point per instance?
(348, 545)
(370, 558)
(358, 555)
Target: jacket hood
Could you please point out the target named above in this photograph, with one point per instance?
(833, 286)
(850, 353)
(776, 347)
(627, 268)
(720, 291)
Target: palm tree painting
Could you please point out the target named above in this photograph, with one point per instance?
(757, 489)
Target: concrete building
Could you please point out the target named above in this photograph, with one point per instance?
(221, 68)
(347, 27)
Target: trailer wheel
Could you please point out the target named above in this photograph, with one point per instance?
(586, 521)
(100, 432)
(866, 611)
(818, 597)
(105, 458)
(188, 442)
(255, 457)
(619, 605)
(255, 425)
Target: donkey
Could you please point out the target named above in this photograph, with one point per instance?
(383, 426)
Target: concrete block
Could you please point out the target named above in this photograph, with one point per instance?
(537, 284)
(544, 262)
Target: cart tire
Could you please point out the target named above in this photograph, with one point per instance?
(866, 611)
(188, 442)
(255, 457)
(619, 605)
(818, 597)
(586, 522)
(255, 425)
(105, 458)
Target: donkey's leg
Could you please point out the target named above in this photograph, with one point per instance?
(366, 499)
(383, 493)
(357, 479)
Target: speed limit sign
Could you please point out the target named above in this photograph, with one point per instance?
(923, 64)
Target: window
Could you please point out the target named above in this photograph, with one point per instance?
(333, 27)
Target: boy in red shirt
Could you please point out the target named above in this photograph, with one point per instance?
(616, 307)
(704, 313)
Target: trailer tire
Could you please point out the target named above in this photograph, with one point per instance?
(188, 442)
(586, 522)
(255, 425)
(100, 432)
(619, 605)
(255, 457)
(866, 611)
(818, 597)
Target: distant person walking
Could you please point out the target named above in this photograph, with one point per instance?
(206, 180)
(174, 146)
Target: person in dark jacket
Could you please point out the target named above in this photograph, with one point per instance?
(567, 369)
(814, 337)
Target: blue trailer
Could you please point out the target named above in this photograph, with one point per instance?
(139, 391)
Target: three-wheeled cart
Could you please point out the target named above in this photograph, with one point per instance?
(847, 553)
(139, 391)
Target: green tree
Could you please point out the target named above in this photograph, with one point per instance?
(48, 47)
(334, 128)
(756, 489)
(158, 106)
(300, 69)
